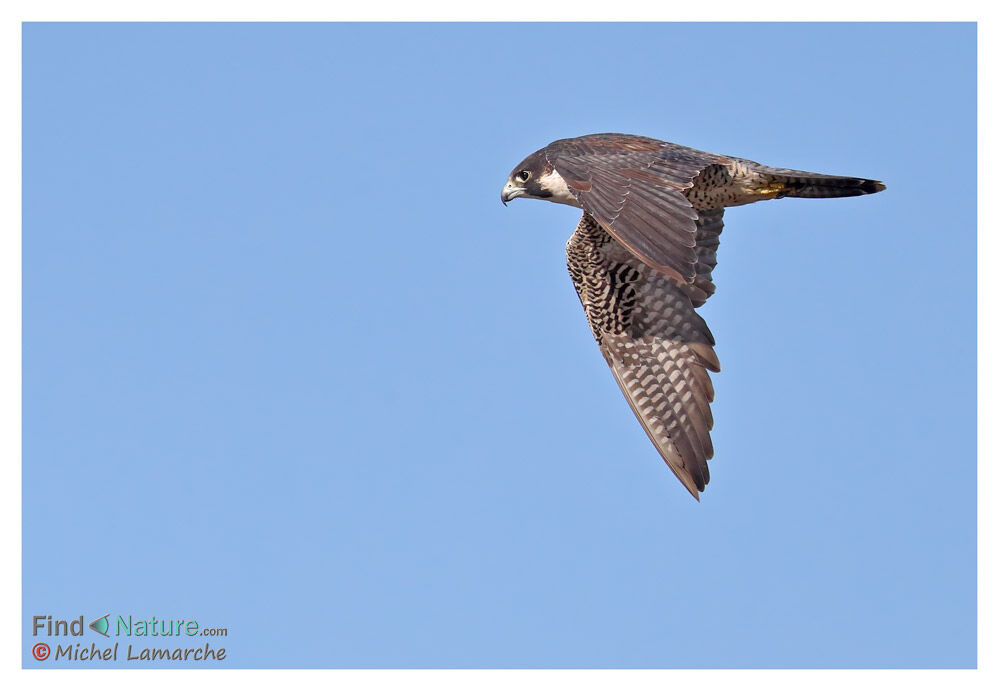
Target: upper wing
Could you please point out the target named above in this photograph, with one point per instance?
(634, 187)
(657, 346)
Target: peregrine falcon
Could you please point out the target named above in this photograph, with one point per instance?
(641, 260)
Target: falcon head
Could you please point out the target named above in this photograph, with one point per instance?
(536, 178)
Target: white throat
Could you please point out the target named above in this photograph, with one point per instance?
(554, 183)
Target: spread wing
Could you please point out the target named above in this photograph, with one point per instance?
(657, 346)
(634, 187)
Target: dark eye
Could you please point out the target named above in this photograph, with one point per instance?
(524, 175)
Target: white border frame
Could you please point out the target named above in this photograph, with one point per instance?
(15, 12)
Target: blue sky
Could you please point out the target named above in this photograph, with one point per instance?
(291, 369)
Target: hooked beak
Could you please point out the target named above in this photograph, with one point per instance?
(510, 191)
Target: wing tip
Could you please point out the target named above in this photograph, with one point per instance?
(695, 489)
(686, 478)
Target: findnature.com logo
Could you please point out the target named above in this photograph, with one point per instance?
(108, 626)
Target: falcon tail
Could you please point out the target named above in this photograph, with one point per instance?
(798, 183)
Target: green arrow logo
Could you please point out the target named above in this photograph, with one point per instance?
(101, 625)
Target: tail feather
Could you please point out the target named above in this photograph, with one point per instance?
(833, 187)
(798, 183)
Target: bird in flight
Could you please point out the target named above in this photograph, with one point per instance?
(641, 260)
